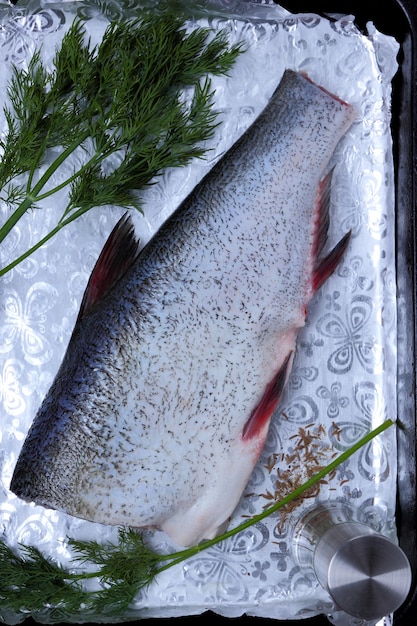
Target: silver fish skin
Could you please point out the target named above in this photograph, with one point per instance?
(162, 403)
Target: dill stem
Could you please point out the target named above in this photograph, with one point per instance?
(33, 196)
(70, 179)
(178, 557)
(15, 216)
(40, 243)
(55, 165)
(97, 157)
(35, 164)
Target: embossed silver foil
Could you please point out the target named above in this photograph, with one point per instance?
(344, 378)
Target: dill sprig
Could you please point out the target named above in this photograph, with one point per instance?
(139, 102)
(31, 582)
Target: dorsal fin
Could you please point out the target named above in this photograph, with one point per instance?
(324, 267)
(118, 254)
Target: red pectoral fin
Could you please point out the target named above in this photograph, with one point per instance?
(118, 254)
(263, 412)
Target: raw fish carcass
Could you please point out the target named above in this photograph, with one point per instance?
(162, 403)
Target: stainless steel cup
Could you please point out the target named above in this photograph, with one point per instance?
(367, 575)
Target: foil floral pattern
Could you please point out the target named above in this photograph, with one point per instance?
(343, 379)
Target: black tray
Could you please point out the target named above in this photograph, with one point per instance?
(397, 18)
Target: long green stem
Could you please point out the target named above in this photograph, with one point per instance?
(178, 557)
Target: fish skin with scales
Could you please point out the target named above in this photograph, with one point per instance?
(181, 350)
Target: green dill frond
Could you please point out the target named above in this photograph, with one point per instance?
(31, 582)
(124, 569)
(142, 94)
(12, 194)
(71, 65)
(10, 164)
(130, 559)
